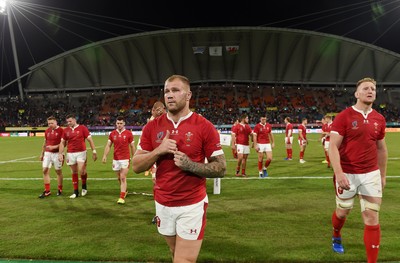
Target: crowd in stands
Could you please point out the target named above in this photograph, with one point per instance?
(222, 104)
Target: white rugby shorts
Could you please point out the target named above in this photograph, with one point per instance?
(73, 158)
(188, 222)
(265, 147)
(242, 149)
(120, 164)
(290, 139)
(368, 184)
(49, 159)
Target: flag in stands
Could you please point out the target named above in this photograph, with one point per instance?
(215, 51)
(199, 50)
(232, 50)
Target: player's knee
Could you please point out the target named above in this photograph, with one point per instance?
(344, 203)
(366, 205)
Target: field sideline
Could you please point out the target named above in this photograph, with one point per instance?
(283, 218)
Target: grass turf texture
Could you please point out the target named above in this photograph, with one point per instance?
(284, 218)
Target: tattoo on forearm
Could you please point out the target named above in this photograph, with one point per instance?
(215, 167)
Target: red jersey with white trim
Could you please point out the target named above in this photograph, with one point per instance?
(242, 132)
(198, 139)
(75, 138)
(323, 129)
(121, 141)
(53, 137)
(263, 131)
(289, 130)
(358, 151)
(328, 128)
(303, 131)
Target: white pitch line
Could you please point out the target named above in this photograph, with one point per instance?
(17, 160)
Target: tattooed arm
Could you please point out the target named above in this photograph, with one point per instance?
(215, 167)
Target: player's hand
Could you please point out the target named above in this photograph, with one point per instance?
(94, 156)
(61, 157)
(167, 145)
(181, 160)
(104, 160)
(342, 181)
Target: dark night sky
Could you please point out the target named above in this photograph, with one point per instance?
(51, 27)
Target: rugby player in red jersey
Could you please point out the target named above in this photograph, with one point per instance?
(179, 142)
(74, 138)
(358, 155)
(124, 148)
(49, 156)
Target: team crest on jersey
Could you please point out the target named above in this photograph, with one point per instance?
(188, 137)
(115, 137)
(354, 125)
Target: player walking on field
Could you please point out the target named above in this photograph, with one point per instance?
(124, 148)
(288, 139)
(234, 151)
(358, 155)
(49, 156)
(74, 138)
(180, 141)
(157, 110)
(322, 139)
(302, 138)
(327, 133)
(263, 143)
(241, 134)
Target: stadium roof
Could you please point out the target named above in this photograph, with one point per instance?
(256, 55)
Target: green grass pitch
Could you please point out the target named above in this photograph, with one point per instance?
(283, 218)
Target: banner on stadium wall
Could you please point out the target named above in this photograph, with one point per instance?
(225, 139)
(392, 129)
(3, 134)
(215, 51)
(11, 129)
(19, 134)
(199, 50)
(271, 108)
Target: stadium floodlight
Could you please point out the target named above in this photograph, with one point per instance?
(4, 10)
(3, 7)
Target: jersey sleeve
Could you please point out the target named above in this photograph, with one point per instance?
(212, 141)
(145, 139)
(338, 125)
